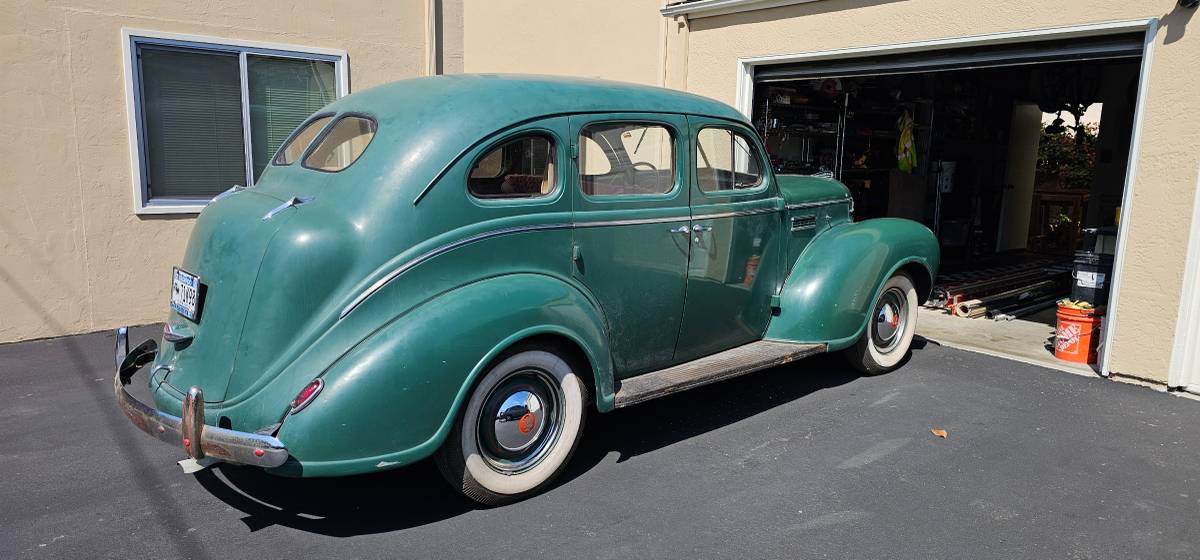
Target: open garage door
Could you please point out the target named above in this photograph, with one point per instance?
(1127, 45)
(1013, 154)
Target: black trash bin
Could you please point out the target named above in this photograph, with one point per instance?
(1092, 277)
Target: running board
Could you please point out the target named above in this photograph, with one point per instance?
(710, 369)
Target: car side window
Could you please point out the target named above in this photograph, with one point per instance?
(726, 161)
(521, 167)
(626, 158)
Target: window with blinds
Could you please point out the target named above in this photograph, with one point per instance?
(212, 118)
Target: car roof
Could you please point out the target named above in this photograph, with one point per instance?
(489, 102)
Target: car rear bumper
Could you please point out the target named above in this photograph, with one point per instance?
(199, 441)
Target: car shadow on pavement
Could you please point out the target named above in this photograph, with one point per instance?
(416, 495)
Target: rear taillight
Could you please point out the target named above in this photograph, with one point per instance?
(306, 395)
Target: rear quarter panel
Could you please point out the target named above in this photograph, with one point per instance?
(392, 399)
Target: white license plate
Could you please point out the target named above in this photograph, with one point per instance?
(185, 293)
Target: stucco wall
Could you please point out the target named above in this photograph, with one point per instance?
(73, 255)
(1160, 213)
(619, 40)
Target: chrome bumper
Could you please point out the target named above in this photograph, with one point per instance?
(199, 441)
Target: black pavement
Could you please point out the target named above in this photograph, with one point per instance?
(803, 461)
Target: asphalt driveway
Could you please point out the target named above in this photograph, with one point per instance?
(803, 461)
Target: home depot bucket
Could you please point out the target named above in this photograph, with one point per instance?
(1077, 335)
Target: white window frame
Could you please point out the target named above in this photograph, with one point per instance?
(132, 38)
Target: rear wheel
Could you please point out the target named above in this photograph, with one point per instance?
(890, 328)
(518, 430)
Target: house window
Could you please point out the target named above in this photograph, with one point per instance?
(209, 115)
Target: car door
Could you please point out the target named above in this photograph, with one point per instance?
(737, 250)
(632, 223)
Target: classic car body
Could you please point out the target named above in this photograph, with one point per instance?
(385, 291)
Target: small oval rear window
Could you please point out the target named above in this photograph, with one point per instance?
(292, 151)
(342, 145)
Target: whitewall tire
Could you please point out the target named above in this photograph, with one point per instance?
(518, 429)
(890, 328)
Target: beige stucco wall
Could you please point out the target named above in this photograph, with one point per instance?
(1167, 159)
(73, 255)
(616, 40)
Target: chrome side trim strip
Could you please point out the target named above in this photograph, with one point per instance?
(633, 222)
(735, 214)
(408, 265)
(439, 251)
(818, 203)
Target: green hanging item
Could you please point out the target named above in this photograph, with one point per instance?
(906, 145)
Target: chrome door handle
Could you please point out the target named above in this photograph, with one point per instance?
(680, 229)
(699, 228)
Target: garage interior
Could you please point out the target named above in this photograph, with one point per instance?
(1014, 155)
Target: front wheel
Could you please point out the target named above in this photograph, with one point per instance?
(518, 430)
(890, 328)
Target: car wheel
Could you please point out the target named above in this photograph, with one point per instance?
(518, 429)
(890, 328)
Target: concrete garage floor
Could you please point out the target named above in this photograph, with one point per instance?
(1023, 339)
(803, 461)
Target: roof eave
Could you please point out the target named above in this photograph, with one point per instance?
(706, 8)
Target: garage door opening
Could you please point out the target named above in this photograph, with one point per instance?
(1015, 156)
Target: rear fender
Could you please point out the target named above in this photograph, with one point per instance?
(828, 294)
(393, 399)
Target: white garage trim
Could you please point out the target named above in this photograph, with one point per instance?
(1185, 356)
(745, 98)
(706, 8)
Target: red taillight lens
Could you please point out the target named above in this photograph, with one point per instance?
(306, 395)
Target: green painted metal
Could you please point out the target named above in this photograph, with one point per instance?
(398, 287)
(828, 295)
(636, 271)
(737, 260)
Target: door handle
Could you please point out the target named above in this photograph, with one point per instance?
(680, 229)
(699, 228)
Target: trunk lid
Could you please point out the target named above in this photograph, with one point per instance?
(225, 250)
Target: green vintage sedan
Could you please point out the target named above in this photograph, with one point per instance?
(465, 267)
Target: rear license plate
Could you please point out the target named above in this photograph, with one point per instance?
(185, 294)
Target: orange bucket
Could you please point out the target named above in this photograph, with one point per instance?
(1076, 338)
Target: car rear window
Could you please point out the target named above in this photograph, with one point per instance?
(300, 140)
(342, 145)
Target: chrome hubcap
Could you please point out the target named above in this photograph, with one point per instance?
(891, 318)
(520, 421)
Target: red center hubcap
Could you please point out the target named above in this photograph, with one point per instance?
(527, 423)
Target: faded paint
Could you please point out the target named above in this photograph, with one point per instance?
(73, 255)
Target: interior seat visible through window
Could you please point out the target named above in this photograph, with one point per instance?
(522, 167)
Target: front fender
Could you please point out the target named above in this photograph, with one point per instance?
(393, 399)
(828, 294)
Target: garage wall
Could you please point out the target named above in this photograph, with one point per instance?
(73, 255)
(621, 40)
(1166, 161)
